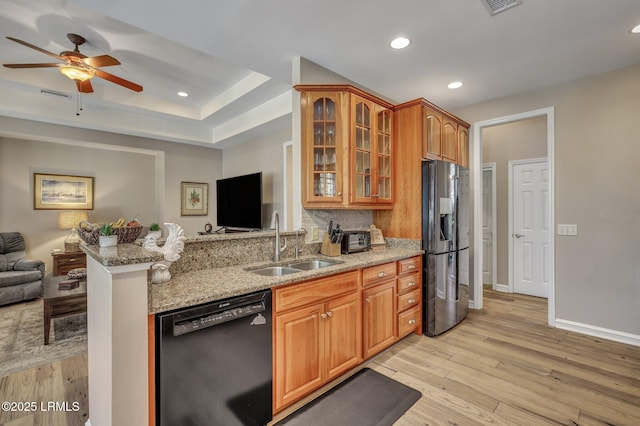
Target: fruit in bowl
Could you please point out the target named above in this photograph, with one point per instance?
(133, 222)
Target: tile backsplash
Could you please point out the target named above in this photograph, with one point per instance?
(348, 220)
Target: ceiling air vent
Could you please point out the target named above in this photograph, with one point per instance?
(56, 94)
(497, 6)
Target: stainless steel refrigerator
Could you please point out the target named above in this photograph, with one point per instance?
(445, 239)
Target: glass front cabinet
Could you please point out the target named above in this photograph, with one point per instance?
(346, 149)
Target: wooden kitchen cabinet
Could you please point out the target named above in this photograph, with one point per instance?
(317, 335)
(347, 148)
(378, 308)
(379, 318)
(424, 132)
(409, 296)
(463, 146)
(449, 140)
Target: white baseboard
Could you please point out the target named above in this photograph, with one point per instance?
(502, 287)
(604, 333)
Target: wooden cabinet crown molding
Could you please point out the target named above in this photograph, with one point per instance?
(344, 88)
(426, 103)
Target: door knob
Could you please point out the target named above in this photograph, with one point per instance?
(518, 235)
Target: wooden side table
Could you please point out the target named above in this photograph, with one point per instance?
(61, 303)
(63, 262)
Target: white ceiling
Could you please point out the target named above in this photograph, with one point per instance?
(234, 58)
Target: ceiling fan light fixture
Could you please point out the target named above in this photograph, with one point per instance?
(75, 72)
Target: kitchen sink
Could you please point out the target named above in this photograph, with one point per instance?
(275, 271)
(293, 267)
(308, 265)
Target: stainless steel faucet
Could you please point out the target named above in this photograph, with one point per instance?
(275, 220)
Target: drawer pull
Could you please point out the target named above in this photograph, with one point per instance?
(411, 284)
(411, 267)
(72, 260)
(329, 314)
(382, 274)
(323, 316)
(411, 301)
(412, 321)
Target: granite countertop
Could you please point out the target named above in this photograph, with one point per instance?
(193, 288)
(122, 254)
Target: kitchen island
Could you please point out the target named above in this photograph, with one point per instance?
(122, 304)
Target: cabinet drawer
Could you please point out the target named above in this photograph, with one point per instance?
(409, 265)
(408, 300)
(409, 321)
(301, 294)
(408, 282)
(377, 274)
(75, 260)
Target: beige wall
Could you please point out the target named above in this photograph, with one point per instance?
(501, 144)
(264, 155)
(132, 175)
(597, 273)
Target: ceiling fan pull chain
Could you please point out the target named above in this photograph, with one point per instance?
(79, 103)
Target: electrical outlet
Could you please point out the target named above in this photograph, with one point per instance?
(567, 229)
(315, 233)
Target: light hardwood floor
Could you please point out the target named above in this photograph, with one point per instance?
(504, 366)
(501, 366)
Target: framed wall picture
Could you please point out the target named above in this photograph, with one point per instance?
(62, 192)
(194, 199)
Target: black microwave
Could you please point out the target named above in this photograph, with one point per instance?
(355, 241)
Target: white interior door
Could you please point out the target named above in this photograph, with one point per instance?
(530, 227)
(488, 225)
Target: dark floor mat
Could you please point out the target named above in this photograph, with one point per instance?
(368, 398)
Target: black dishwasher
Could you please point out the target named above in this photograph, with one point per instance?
(213, 363)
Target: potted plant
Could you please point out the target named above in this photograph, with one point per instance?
(155, 231)
(107, 238)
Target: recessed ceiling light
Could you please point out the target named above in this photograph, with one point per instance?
(400, 42)
(183, 94)
(636, 29)
(455, 85)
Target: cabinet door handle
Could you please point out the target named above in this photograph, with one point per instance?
(329, 314)
(339, 193)
(382, 274)
(412, 301)
(367, 300)
(411, 284)
(323, 316)
(412, 321)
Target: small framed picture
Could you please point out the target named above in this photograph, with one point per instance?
(62, 192)
(194, 199)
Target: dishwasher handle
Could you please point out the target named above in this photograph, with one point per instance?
(205, 321)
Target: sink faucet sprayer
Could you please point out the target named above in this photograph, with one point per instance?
(275, 223)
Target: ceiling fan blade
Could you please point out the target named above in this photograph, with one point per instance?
(84, 86)
(117, 80)
(31, 65)
(46, 52)
(101, 61)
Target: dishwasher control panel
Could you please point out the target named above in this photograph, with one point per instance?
(184, 326)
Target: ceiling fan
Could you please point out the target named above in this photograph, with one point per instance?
(78, 67)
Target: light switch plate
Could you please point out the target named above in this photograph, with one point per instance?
(315, 233)
(567, 229)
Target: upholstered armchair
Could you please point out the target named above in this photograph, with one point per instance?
(20, 278)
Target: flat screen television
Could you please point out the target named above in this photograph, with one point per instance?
(239, 202)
